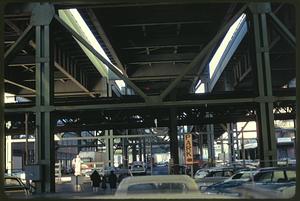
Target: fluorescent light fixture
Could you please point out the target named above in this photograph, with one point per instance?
(228, 37)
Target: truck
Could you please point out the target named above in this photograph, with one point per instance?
(91, 160)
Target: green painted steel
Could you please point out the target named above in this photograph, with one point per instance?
(69, 19)
(44, 95)
(198, 59)
(2, 122)
(266, 137)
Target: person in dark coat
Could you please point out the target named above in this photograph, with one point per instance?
(103, 184)
(96, 179)
(112, 179)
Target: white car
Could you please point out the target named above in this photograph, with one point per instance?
(138, 169)
(162, 186)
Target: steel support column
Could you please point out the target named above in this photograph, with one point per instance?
(42, 16)
(174, 140)
(125, 152)
(111, 148)
(134, 151)
(210, 144)
(140, 150)
(265, 120)
(2, 122)
(231, 150)
(144, 151)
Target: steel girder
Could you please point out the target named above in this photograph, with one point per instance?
(101, 58)
(2, 122)
(199, 58)
(265, 122)
(285, 32)
(42, 15)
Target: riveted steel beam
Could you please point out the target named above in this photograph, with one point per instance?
(197, 60)
(2, 121)
(42, 15)
(104, 37)
(265, 120)
(19, 44)
(284, 31)
(101, 58)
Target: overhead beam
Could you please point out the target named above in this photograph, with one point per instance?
(67, 74)
(19, 44)
(285, 32)
(153, 78)
(65, 71)
(166, 42)
(105, 39)
(101, 58)
(163, 23)
(22, 60)
(19, 85)
(13, 26)
(200, 56)
(161, 58)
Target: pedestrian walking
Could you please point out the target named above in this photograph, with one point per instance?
(112, 179)
(96, 179)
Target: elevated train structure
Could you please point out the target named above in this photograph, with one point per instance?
(160, 49)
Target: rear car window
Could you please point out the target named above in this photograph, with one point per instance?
(142, 188)
(263, 177)
(217, 174)
(172, 187)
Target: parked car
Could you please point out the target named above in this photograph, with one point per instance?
(268, 181)
(211, 176)
(162, 186)
(275, 175)
(266, 190)
(13, 186)
(138, 168)
(244, 175)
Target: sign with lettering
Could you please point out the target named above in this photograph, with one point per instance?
(188, 149)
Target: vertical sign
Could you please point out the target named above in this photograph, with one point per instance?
(188, 149)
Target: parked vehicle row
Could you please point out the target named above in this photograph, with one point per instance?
(263, 182)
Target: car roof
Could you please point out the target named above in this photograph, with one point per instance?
(276, 168)
(191, 184)
(157, 179)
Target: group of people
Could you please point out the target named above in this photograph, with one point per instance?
(99, 180)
